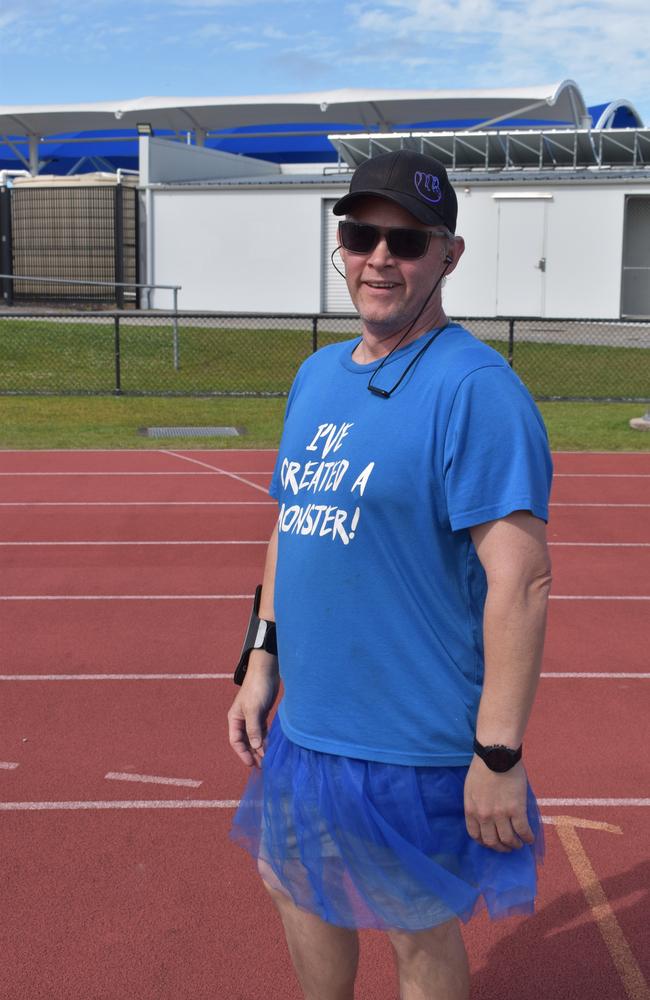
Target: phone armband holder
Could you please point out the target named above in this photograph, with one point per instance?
(260, 634)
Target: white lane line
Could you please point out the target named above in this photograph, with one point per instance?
(616, 803)
(601, 475)
(233, 803)
(600, 597)
(249, 597)
(264, 541)
(223, 472)
(116, 677)
(31, 453)
(152, 779)
(126, 597)
(190, 472)
(606, 545)
(94, 542)
(585, 675)
(140, 503)
(6, 765)
(599, 505)
(121, 804)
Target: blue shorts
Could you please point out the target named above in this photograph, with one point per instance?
(366, 844)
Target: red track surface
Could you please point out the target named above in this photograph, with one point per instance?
(155, 903)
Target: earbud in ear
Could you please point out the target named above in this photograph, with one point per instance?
(448, 259)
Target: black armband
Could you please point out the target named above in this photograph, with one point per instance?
(260, 634)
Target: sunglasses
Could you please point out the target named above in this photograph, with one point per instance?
(409, 244)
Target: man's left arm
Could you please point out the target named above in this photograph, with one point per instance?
(513, 553)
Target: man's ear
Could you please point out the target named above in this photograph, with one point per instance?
(455, 250)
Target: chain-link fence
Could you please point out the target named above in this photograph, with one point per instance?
(191, 354)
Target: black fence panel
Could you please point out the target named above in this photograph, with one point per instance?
(213, 354)
(75, 233)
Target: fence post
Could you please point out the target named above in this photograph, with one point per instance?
(177, 346)
(118, 215)
(118, 369)
(314, 334)
(6, 255)
(511, 342)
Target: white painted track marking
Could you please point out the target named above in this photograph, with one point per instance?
(223, 472)
(605, 545)
(139, 503)
(635, 505)
(594, 675)
(126, 597)
(221, 451)
(233, 803)
(190, 472)
(6, 765)
(239, 542)
(614, 803)
(116, 677)
(562, 675)
(152, 779)
(600, 597)
(601, 475)
(121, 804)
(264, 541)
(249, 597)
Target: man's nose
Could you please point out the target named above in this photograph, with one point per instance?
(380, 254)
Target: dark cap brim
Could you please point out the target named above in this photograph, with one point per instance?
(422, 212)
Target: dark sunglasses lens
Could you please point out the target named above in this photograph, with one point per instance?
(358, 238)
(408, 243)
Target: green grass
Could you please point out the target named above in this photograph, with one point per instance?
(113, 422)
(60, 357)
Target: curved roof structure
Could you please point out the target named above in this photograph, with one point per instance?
(285, 128)
(558, 104)
(616, 114)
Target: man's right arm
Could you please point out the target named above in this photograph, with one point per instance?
(254, 700)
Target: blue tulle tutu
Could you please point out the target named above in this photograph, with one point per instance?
(364, 844)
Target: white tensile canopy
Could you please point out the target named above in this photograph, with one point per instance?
(558, 103)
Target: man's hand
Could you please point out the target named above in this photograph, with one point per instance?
(495, 807)
(249, 711)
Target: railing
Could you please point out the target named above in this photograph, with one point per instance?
(112, 284)
(156, 353)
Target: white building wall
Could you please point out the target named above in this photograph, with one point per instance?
(234, 250)
(239, 251)
(471, 289)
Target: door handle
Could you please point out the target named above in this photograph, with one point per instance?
(541, 263)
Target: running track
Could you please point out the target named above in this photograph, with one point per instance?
(124, 594)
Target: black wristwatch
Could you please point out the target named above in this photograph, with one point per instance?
(497, 757)
(260, 634)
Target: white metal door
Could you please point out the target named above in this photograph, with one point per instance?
(335, 298)
(635, 292)
(521, 264)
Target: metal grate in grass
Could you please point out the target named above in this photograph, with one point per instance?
(168, 432)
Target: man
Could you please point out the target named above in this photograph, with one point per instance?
(409, 576)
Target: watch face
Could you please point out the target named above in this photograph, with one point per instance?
(500, 759)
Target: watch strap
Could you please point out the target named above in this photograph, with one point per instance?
(497, 757)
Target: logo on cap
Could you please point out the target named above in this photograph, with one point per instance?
(427, 186)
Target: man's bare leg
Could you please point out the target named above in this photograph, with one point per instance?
(324, 956)
(432, 964)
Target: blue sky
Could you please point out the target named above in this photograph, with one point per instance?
(93, 50)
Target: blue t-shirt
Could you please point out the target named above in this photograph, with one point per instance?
(379, 592)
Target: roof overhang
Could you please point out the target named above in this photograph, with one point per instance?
(383, 110)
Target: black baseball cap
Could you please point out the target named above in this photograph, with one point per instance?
(417, 182)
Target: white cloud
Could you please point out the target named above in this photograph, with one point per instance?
(599, 43)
